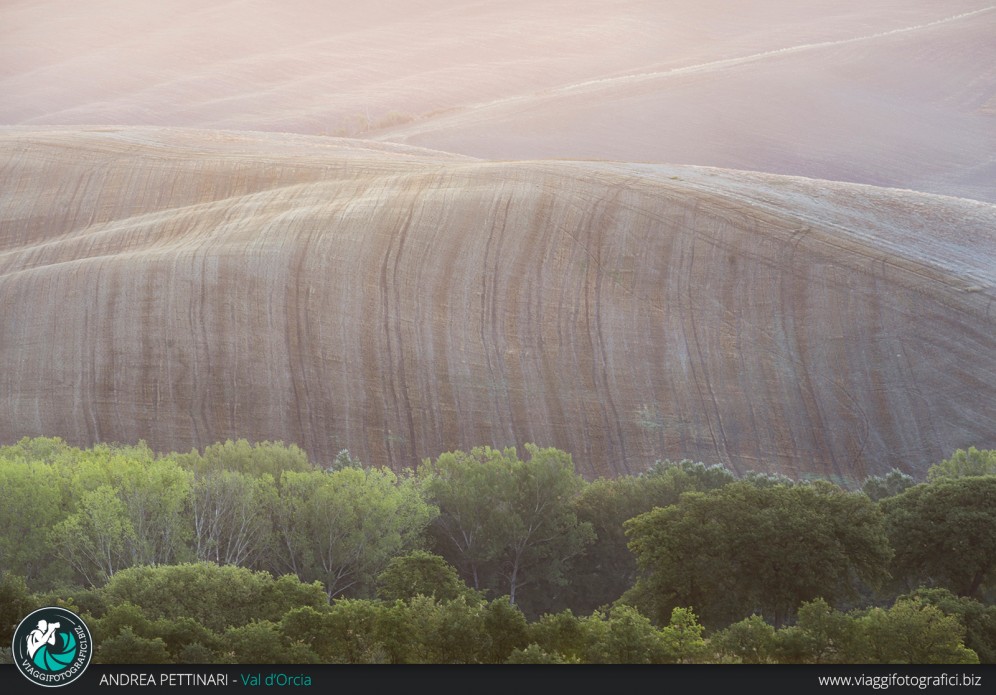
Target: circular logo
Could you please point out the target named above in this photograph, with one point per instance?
(52, 647)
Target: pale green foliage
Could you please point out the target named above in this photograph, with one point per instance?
(682, 638)
(96, 511)
(964, 464)
(31, 503)
(622, 636)
(156, 495)
(534, 654)
(342, 528)
(36, 449)
(131, 509)
(978, 618)
(822, 635)
(263, 458)
(229, 519)
(104, 464)
(215, 596)
(95, 540)
(751, 641)
(915, 633)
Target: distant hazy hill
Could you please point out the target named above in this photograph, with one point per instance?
(870, 91)
(189, 286)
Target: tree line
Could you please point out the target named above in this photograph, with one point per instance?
(481, 556)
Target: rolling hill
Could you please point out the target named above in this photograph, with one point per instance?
(185, 286)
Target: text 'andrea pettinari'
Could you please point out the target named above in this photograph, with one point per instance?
(164, 679)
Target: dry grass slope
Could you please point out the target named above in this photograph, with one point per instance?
(189, 286)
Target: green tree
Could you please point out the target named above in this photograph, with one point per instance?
(445, 632)
(156, 495)
(978, 619)
(97, 538)
(622, 636)
(196, 653)
(129, 508)
(352, 635)
(129, 648)
(750, 641)
(117, 618)
(914, 633)
(687, 475)
(944, 533)
(682, 637)
(179, 633)
(230, 526)
(215, 596)
(506, 523)
(607, 568)
(821, 635)
(534, 654)
(760, 479)
(466, 487)
(32, 505)
(126, 625)
(743, 548)
(420, 573)
(16, 601)
(888, 485)
(36, 450)
(544, 531)
(342, 528)
(965, 464)
(507, 630)
(263, 458)
(262, 642)
(398, 638)
(308, 625)
(456, 633)
(559, 633)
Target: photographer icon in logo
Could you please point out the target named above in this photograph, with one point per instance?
(52, 646)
